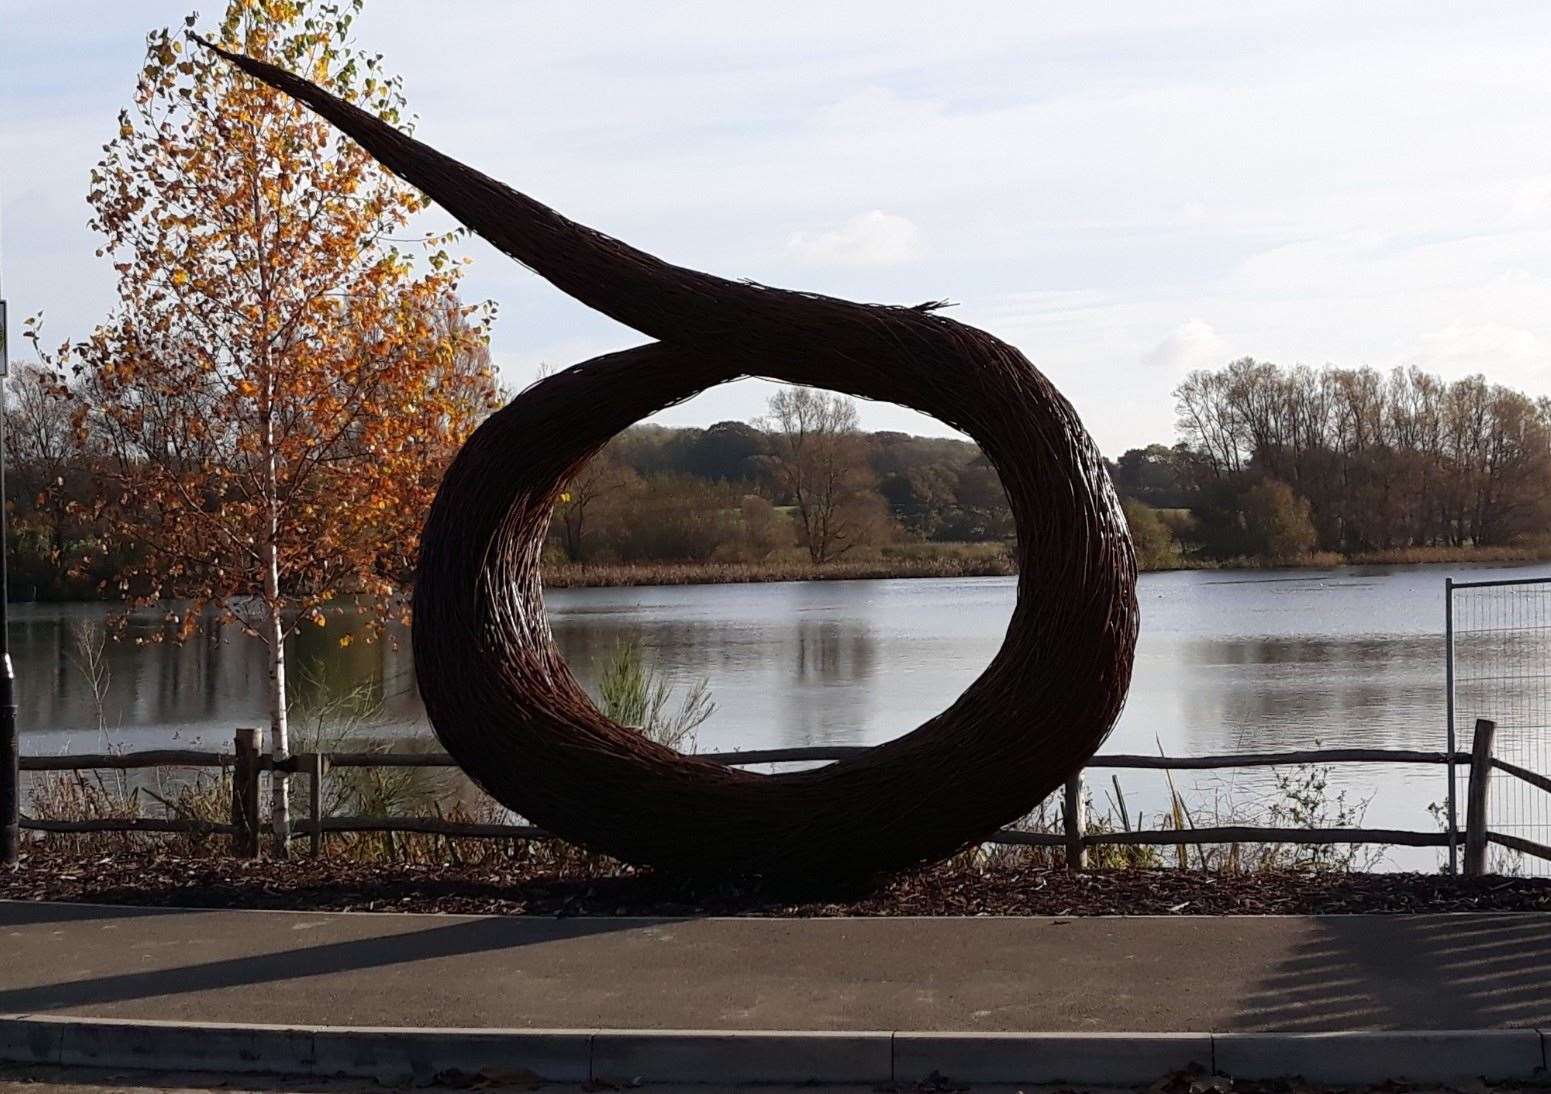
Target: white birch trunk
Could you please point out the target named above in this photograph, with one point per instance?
(274, 634)
(279, 729)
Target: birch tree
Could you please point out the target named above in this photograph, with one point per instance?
(280, 384)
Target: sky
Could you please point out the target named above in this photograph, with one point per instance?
(1125, 191)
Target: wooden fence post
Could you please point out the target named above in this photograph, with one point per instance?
(245, 795)
(1478, 795)
(315, 793)
(1075, 822)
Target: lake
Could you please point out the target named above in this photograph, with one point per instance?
(1228, 661)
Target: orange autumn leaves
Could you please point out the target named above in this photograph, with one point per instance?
(282, 379)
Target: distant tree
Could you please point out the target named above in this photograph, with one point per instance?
(1205, 421)
(816, 452)
(675, 518)
(765, 530)
(650, 449)
(981, 511)
(43, 451)
(891, 452)
(1277, 521)
(278, 390)
(603, 477)
(1154, 541)
(920, 496)
(725, 452)
(39, 419)
(1153, 475)
(1217, 522)
(1395, 460)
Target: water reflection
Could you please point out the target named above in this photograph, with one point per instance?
(197, 691)
(1226, 663)
(1272, 693)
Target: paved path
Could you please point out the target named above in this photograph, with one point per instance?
(1144, 974)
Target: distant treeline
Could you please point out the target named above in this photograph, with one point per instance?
(803, 482)
(1277, 462)
(1271, 464)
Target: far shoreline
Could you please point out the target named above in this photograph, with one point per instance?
(949, 565)
(615, 575)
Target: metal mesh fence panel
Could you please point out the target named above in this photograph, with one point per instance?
(1500, 652)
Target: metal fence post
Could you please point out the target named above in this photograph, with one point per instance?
(1479, 795)
(245, 794)
(10, 738)
(1075, 822)
(10, 767)
(1448, 686)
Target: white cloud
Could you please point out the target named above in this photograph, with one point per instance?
(1529, 200)
(1194, 344)
(875, 238)
(874, 109)
(1505, 354)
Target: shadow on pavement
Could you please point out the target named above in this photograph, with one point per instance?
(449, 940)
(1467, 971)
(23, 913)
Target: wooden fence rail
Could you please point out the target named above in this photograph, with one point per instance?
(1540, 781)
(297, 762)
(130, 824)
(1520, 844)
(247, 764)
(128, 761)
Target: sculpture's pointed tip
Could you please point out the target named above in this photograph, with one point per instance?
(240, 60)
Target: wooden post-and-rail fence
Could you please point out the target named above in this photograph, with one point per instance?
(247, 765)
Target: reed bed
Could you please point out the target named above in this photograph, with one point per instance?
(1394, 556)
(583, 575)
(901, 563)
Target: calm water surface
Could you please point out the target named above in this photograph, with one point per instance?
(1228, 662)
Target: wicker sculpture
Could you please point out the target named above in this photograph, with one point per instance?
(507, 707)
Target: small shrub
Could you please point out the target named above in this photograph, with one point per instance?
(634, 695)
(1154, 541)
(1278, 522)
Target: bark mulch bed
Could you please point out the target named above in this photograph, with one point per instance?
(150, 879)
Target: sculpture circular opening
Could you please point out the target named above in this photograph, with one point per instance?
(790, 661)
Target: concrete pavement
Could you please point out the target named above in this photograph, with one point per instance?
(843, 1000)
(1296, 973)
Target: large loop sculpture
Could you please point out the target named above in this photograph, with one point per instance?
(506, 706)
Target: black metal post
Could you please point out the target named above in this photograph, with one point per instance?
(1448, 689)
(10, 739)
(10, 766)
